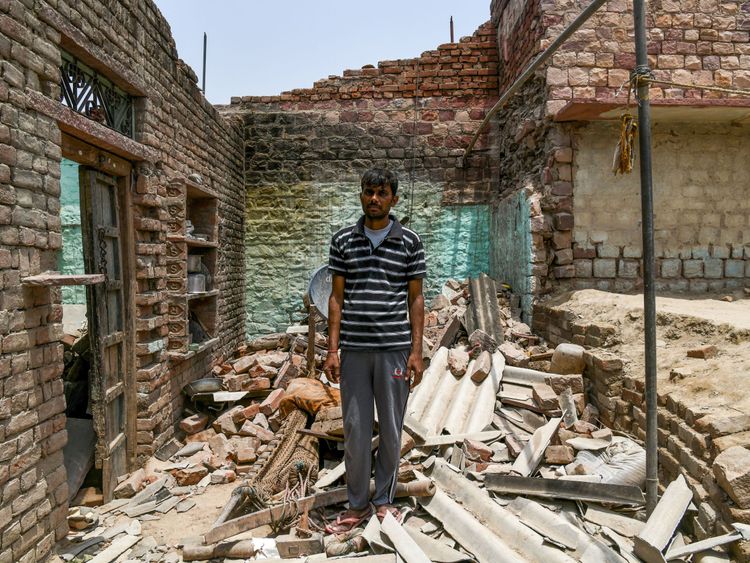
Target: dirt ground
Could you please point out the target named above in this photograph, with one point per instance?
(682, 323)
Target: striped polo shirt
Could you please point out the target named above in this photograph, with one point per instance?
(375, 312)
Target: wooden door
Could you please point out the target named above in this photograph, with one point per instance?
(106, 313)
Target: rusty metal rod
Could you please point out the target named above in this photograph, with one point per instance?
(542, 58)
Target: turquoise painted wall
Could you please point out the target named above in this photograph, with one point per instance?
(70, 258)
(511, 249)
(288, 230)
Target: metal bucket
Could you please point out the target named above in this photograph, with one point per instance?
(196, 283)
(319, 289)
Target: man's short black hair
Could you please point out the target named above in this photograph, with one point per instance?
(380, 177)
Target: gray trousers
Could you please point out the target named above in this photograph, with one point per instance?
(367, 376)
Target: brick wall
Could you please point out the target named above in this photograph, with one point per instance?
(177, 133)
(687, 438)
(701, 209)
(306, 150)
(701, 43)
(576, 238)
(519, 33)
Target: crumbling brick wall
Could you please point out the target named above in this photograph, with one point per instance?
(701, 209)
(306, 150)
(688, 439)
(177, 133)
(564, 165)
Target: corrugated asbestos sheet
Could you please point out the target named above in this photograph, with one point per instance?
(457, 405)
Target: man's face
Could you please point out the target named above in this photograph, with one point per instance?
(377, 201)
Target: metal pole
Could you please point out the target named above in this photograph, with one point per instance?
(647, 225)
(203, 81)
(530, 70)
(451, 29)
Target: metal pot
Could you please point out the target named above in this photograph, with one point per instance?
(196, 283)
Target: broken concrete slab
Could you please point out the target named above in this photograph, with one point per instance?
(533, 451)
(651, 542)
(732, 471)
(564, 489)
(406, 547)
(720, 424)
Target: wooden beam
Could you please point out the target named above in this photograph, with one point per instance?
(423, 487)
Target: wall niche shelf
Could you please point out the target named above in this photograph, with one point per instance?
(192, 247)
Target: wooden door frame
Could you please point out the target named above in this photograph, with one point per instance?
(103, 161)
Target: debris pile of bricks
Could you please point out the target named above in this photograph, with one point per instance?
(499, 439)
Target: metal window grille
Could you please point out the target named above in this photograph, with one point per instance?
(89, 93)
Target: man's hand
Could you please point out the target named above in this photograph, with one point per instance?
(332, 367)
(414, 369)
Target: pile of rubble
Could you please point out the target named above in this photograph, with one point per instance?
(498, 419)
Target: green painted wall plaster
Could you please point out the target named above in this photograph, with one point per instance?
(288, 230)
(511, 247)
(70, 258)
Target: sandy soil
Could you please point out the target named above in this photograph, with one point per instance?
(682, 323)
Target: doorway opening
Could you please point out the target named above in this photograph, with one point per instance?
(98, 374)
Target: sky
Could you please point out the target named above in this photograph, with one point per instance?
(264, 48)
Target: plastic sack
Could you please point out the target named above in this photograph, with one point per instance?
(310, 395)
(623, 462)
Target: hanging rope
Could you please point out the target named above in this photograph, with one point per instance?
(624, 156)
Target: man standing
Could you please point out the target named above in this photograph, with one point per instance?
(377, 266)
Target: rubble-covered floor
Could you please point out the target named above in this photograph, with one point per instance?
(498, 415)
(717, 384)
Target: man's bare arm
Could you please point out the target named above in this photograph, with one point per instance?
(335, 305)
(415, 365)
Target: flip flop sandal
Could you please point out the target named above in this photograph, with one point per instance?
(344, 524)
(395, 512)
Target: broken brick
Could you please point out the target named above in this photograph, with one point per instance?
(251, 410)
(244, 363)
(252, 429)
(477, 451)
(194, 423)
(559, 382)
(190, 475)
(221, 476)
(130, 486)
(202, 436)
(545, 397)
(559, 455)
(703, 352)
(271, 404)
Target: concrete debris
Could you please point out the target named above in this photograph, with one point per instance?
(657, 534)
(732, 471)
(497, 413)
(567, 358)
